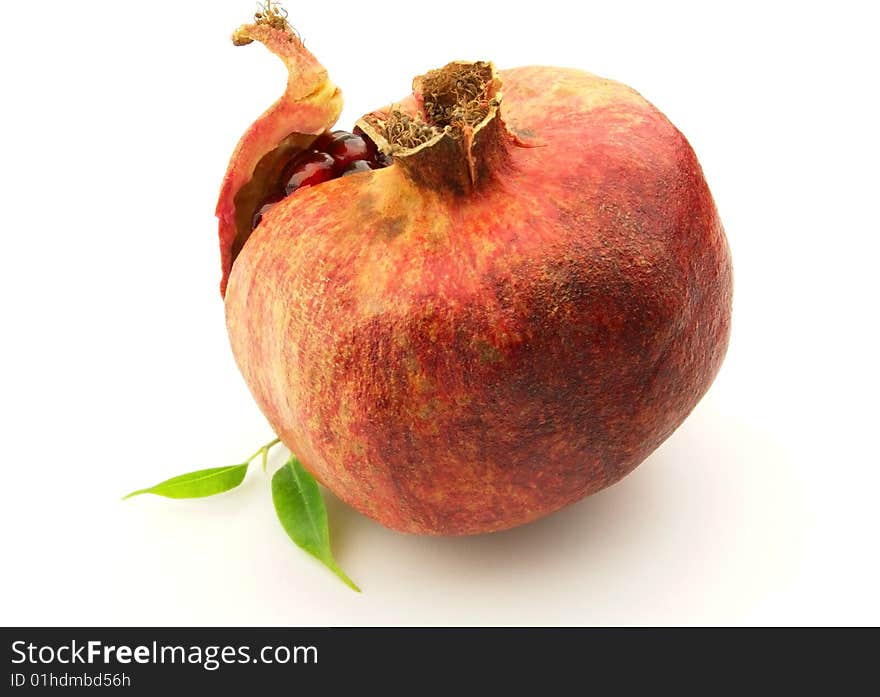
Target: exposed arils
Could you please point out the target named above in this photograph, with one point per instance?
(332, 155)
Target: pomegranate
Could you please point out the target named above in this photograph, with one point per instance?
(494, 297)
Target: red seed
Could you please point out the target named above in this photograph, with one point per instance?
(323, 140)
(347, 148)
(375, 156)
(355, 167)
(309, 169)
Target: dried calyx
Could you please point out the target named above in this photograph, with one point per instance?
(451, 134)
(454, 98)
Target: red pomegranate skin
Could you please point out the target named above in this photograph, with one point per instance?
(465, 363)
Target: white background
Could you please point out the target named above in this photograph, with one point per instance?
(117, 124)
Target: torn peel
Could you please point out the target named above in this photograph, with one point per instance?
(310, 105)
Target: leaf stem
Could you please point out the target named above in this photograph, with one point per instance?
(264, 452)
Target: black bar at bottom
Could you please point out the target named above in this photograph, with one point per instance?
(412, 661)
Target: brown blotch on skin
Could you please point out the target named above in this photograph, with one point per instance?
(487, 352)
(393, 227)
(366, 205)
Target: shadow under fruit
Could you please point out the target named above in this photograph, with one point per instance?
(495, 297)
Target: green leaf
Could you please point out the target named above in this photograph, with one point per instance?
(301, 511)
(195, 485)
